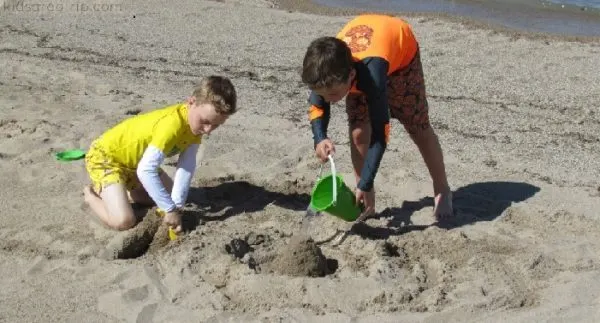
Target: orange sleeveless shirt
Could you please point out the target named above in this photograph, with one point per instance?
(382, 36)
(374, 35)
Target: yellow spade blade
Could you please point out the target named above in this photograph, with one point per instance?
(172, 234)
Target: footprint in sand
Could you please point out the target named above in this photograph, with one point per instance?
(10, 128)
(130, 305)
(140, 291)
(38, 266)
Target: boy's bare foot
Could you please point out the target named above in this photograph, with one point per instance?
(88, 193)
(443, 206)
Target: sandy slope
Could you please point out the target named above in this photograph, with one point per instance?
(518, 120)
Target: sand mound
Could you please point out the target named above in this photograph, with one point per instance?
(300, 257)
(160, 239)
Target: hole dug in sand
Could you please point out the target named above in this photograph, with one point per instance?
(301, 257)
(148, 236)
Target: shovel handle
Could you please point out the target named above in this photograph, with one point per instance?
(334, 177)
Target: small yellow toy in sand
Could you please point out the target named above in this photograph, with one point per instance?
(172, 234)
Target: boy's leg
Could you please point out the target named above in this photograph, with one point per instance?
(408, 104)
(139, 194)
(431, 151)
(111, 206)
(360, 138)
(359, 130)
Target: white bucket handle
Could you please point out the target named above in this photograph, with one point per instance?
(334, 177)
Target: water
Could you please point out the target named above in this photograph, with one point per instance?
(566, 17)
(581, 4)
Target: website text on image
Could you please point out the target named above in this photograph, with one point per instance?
(23, 6)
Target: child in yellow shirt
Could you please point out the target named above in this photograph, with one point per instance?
(124, 162)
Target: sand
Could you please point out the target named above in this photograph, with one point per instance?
(137, 241)
(300, 257)
(517, 118)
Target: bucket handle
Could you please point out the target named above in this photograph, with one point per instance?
(333, 176)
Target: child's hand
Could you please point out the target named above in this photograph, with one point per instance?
(368, 200)
(173, 220)
(324, 149)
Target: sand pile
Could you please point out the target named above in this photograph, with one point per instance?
(161, 238)
(300, 257)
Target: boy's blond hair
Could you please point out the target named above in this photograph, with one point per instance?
(218, 91)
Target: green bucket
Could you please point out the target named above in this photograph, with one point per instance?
(333, 196)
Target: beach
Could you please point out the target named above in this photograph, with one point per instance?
(517, 116)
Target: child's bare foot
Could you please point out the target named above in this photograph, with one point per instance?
(443, 206)
(88, 193)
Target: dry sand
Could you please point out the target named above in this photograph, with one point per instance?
(518, 119)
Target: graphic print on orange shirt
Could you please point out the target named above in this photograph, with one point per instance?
(358, 38)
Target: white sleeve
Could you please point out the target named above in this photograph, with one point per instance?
(147, 172)
(186, 165)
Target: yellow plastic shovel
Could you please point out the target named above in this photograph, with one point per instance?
(172, 234)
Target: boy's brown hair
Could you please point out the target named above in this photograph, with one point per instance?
(218, 91)
(328, 61)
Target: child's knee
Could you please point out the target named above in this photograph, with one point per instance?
(361, 135)
(424, 136)
(124, 222)
(420, 132)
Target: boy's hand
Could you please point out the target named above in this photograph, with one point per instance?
(368, 200)
(324, 149)
(173, 220)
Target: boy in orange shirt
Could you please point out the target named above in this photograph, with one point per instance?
(374, 62)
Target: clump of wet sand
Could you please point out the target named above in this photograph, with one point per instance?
(300, 257)
(161, 238)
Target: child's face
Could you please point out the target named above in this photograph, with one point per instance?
(338, 91)
(203, 117)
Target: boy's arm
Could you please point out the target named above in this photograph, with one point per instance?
(186, 166)
(318, 115)
(375, 87)
(147, 172)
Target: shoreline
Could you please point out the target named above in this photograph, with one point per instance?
(308, 6)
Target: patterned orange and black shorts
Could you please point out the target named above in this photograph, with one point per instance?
(406, 99)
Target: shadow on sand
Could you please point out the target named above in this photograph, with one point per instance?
(472, 203)
(229, 199)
